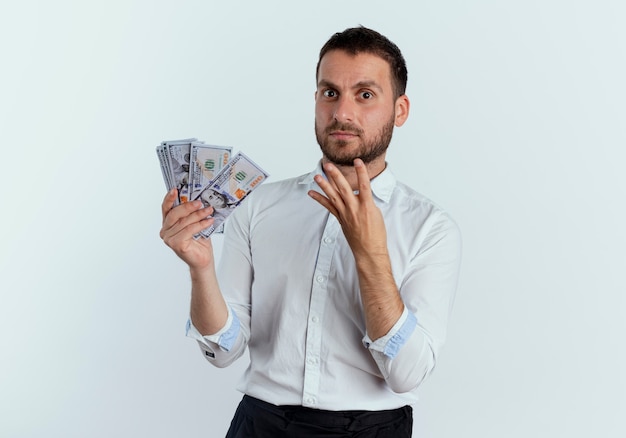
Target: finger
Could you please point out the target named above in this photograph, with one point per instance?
(179, 237)
(330, 179)
(363, 180)
(338, 181)
(191, 219)
(183, 216)
(168, 202)
(179, 211)
(333, 198)
(323, 200)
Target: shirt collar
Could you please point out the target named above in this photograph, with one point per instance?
(382, 185)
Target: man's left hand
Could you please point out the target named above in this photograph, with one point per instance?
(361, 220)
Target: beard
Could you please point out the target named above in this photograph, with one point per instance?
(338, 151)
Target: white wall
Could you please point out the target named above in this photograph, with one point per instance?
(517, 128)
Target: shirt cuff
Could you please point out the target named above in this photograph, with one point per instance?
(391, 343)
(224, 338)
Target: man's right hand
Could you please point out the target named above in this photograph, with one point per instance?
(180, 224)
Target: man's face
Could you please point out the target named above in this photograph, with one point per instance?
(355, 108)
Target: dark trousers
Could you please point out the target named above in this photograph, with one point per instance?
(255, 418)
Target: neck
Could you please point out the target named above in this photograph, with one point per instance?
(374, 168)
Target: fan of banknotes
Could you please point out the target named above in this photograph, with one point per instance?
(208, 173)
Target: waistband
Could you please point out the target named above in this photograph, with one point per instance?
(322, 417)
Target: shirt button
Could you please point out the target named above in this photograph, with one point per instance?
(327, 240)
(310, 400)
(320, 278)
(315, 319)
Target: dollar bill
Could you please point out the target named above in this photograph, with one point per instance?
(164, 164)
(179, 155)
(163, 154)
(206, 162)
(229, 188)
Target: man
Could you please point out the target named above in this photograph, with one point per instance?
(339, 282)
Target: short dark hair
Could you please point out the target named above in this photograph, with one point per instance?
(363, 40)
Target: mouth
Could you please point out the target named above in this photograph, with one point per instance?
(343, 135)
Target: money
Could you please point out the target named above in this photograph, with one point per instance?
(160, 150)
(229, 188)
(207, 172)
(174, 157)
(206, 162)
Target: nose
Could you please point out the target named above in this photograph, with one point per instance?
(344, 109)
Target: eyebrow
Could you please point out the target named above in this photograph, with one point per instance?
(360, 84)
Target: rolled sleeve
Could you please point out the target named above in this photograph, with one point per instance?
(389, 345)
(225, 338)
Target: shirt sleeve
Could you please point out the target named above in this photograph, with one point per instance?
(235, 279)
(390, 344)
(224, 339)
(408, 352)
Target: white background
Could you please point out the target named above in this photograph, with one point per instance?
(516, 128)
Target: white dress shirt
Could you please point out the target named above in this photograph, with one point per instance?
(289, 278)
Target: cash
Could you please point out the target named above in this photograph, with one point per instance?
(229, 188)
(208, 173)
(206, 163)
(174, 157)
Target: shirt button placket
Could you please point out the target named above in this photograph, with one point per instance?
(319, 289)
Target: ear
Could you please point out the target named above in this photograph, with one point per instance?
(402, 106)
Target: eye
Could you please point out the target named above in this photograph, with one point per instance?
(366, 95)
(329, 93)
